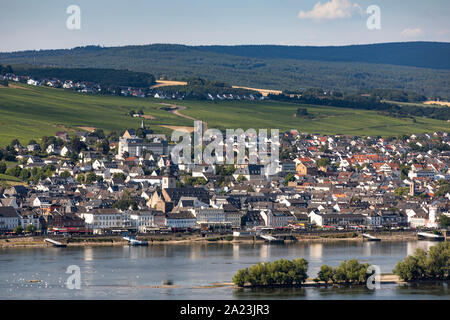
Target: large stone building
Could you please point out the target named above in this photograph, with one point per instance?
(135, 146)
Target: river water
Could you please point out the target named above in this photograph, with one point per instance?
(136, 272)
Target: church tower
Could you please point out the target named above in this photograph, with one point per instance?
(412, 188)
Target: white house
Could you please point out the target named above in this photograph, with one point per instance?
(277, 219)
(9, 219)
(65, 151)
(181, 219)
(32, 82)
(100, 220)
(51, 149)
(210, 216)
(142, 220)
(30, 218)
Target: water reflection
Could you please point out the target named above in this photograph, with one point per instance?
(342, 291)
(270, 293)
(316, 251)
(264, 252)
(235, 251)
(439, 289)
(424, 245)
(88, 254)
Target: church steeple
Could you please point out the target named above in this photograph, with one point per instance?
(143, 124)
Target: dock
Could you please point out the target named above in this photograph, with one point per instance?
(370, 237)
(271, 239)
(430, 236)
(56, 243)
(135, 242)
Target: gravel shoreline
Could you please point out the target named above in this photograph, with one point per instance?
(38, 241)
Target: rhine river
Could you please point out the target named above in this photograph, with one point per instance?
(138, 272)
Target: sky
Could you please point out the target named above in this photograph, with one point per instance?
(42, 24)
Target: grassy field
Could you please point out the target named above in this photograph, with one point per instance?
(8, 181)
(5, 177)
(31, 112)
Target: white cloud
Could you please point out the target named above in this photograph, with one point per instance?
(333, 9)
(412, 32)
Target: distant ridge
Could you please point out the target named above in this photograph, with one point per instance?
(434, 55)
(420, 67)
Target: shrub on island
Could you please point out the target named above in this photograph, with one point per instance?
(280, 272)
(431, 265)
(348, 272)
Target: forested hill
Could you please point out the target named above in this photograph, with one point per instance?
(434, 55)
(420, 67)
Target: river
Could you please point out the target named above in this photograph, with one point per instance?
(138, 272)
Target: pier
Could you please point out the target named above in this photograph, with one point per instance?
(370, 237)
(135, 242)
(278, 238)
(56, 243)
(430, 236)
(270, 239)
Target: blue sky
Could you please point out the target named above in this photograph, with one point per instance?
(26, 24)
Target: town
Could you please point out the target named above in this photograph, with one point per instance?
(125, 182)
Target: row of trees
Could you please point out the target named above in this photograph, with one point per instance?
(431, 265)
(27, 175)
(191, 181)
(6, 69)
(281, 272)
(347, 272)
(397, 95)
(89, 178)
(8, 154)
(29, 229)
(286, 272)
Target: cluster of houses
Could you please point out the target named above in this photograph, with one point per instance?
(323, 182)
(163, 94)
(158, 93)
(80, 86)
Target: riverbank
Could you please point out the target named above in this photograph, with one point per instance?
(38, 241)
